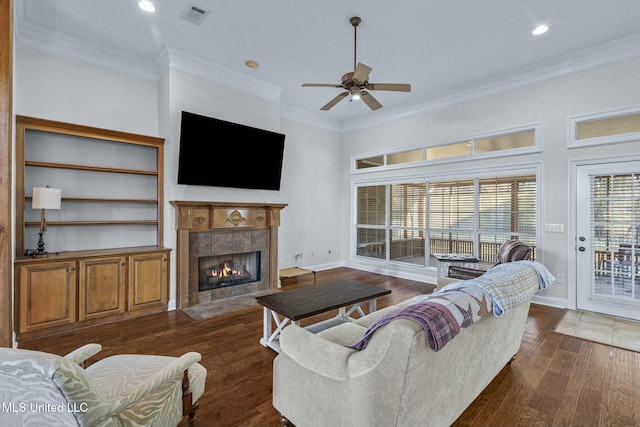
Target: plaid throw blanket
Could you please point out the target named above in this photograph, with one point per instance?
(460, 304)
(441, 315)
(510, 284)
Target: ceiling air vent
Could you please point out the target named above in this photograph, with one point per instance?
(194, 14)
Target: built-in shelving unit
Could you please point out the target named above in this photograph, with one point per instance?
(105, 258)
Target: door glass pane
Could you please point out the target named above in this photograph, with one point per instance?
(615, 235)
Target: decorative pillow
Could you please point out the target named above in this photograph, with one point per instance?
(514, 250)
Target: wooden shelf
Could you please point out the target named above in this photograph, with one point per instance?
(128, 173)
(89, 168)
(104, 200)
(82, 223)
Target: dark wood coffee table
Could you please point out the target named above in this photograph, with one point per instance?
(291, 306)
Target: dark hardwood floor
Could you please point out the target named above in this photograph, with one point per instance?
(555, 380)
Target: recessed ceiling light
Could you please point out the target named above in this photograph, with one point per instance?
(147, 6)
(251, 64)
(540, 29)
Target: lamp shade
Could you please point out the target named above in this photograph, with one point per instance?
(46, 198)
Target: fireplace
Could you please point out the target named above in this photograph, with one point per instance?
(225, 250)
(219, 271)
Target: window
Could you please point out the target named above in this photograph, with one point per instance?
(498, 144)
(605, 128)
(470, 216)
(407, 217)
(371, 219)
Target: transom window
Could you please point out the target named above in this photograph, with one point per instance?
(499, 144)
(605, 128)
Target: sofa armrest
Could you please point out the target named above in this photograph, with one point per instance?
(335, 361)
(315, 353)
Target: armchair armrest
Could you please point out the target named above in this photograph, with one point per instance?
(172, 371)
(82, 354)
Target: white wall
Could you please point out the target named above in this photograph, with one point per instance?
(550, 103)
(309, 173)
(52, 87)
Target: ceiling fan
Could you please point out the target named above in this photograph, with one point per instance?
(356, 83)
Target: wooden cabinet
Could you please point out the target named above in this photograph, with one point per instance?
(147, 281)
(47, 295)
(65, 291)
(101, 287)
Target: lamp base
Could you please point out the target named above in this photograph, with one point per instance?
(40, 251)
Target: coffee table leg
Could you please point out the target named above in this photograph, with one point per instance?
(355, 307)
(269, 336)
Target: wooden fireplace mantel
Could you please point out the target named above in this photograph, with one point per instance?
(200, 216)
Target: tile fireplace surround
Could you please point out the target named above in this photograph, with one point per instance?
(207, 229)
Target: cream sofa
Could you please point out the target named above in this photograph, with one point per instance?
(397, 379)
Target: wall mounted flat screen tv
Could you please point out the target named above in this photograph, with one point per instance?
(218, 153)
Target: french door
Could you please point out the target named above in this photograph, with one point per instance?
(608, 239)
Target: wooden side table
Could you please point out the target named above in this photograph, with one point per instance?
(288, 273)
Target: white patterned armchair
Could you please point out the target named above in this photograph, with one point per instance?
(43, 389)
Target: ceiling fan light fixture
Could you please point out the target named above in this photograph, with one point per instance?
(147, 6)
(540, 29)
(356, 83)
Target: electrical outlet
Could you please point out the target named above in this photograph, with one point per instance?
(560, 278)
(553, 228)
(288, 255)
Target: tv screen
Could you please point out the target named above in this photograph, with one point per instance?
(218, 153)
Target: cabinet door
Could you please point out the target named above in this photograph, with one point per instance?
(47, 295)
(148, 280)
(101, 287)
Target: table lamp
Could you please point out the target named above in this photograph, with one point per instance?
(44, 198)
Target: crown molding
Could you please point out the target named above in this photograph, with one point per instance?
(58, 43)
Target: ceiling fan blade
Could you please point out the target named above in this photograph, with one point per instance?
(361, 73)
(334, 101)
(370, 100)
(396, 87)
(321, 85)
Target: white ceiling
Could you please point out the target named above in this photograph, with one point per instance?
(444, 49)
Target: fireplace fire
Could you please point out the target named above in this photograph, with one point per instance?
(228, 270)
